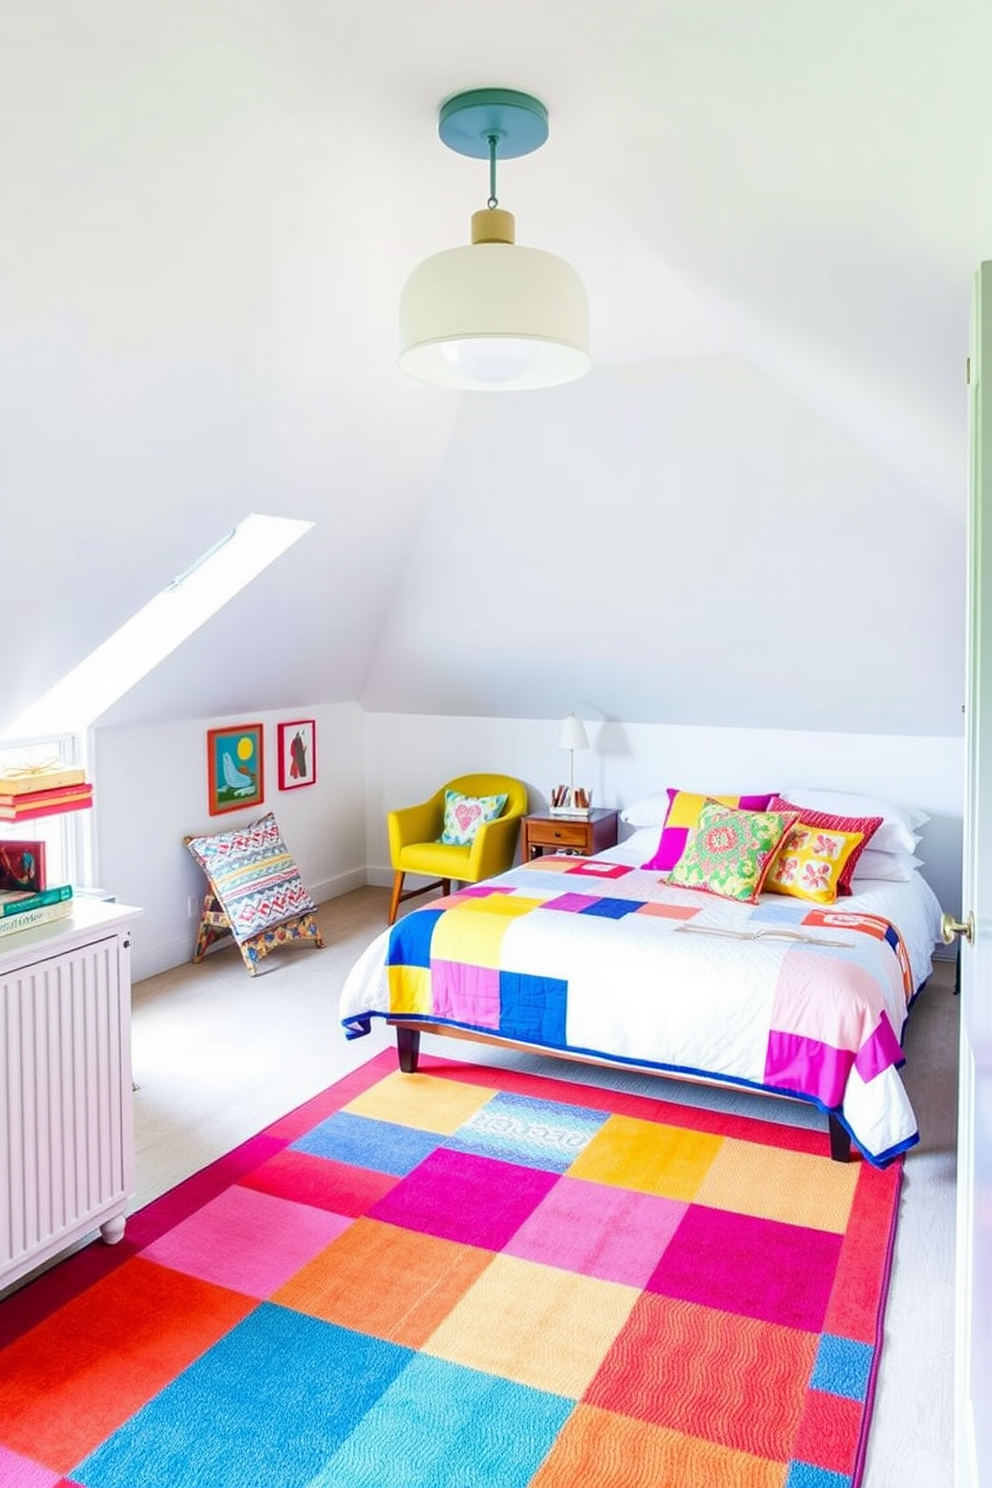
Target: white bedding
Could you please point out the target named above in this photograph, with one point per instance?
(912, 907)
(603, 958)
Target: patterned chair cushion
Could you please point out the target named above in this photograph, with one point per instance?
(464, 815)
(253, 876)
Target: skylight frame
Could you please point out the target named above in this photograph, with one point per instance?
(86, 692)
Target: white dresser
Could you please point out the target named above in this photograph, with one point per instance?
(66, 1126)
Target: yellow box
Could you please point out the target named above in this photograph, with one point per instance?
(20, 780)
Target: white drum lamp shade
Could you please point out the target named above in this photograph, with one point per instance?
(491, 315)
(494, 316)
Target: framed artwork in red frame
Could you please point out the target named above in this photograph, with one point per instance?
(235, 768)
(297, 753)
(22, 865)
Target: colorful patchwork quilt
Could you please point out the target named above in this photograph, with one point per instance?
(600, 958)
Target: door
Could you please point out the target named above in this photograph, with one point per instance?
(973, 1352)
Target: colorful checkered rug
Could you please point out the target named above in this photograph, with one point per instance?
(468, 1278)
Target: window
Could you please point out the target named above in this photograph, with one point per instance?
(67, 836)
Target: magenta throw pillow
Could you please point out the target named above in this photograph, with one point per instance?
(684, 810)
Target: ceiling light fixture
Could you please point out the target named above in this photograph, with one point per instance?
(493, 316)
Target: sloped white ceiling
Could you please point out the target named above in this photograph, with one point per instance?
(752, 511)
(676, 542)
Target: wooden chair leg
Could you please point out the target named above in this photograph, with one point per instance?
(249, 955)
(214, 925)
(445, 887)
(394, 902)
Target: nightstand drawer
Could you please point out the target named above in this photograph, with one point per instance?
(560, 834)
(581, 834)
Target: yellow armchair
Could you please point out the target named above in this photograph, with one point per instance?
(414, 830)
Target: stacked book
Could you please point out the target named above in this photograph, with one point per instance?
(32, 791)
(21, 909)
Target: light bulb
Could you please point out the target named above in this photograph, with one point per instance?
(493, 359)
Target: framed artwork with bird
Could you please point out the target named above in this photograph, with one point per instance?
(235, 767)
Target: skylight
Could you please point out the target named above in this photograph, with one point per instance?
(164, 623)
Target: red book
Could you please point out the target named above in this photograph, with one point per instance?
(46, 794)
(46, 803)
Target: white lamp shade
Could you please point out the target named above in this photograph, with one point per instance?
(494, 317)
(573, 734)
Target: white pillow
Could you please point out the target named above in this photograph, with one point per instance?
(895, 867)
(898, 830)
(643, 842)
(650, 811)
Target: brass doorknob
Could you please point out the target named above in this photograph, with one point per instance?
(949, 927)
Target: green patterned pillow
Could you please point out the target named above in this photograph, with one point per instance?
(730, 852)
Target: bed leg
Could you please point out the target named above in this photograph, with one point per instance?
(407, 1048)
(840, 1142)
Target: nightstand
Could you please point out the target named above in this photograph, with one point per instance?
(586, 835)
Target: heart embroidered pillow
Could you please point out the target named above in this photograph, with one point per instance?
(464, 815)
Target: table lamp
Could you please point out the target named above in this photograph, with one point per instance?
(573, 736)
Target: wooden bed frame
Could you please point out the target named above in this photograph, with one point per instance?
(408, 1054)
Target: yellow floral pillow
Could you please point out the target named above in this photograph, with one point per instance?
(810, 862)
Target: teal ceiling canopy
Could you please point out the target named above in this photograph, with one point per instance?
(493, 316)
(468, 121)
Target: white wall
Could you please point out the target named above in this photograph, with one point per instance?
(150, 788)
(408, 756)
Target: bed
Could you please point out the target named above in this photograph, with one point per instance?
(603, 959)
